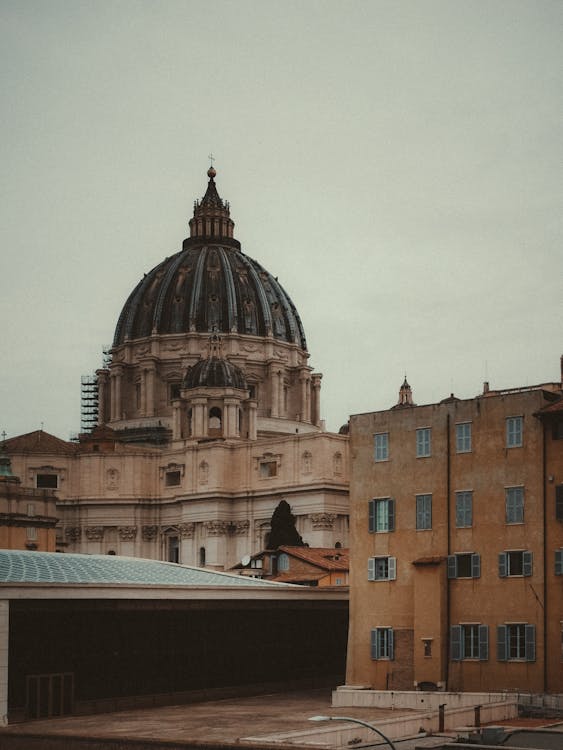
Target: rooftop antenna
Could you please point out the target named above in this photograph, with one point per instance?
(211, 159)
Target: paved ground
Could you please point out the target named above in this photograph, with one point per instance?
(224, 720)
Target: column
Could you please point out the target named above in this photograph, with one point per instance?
(305, 397)
(199, 417)
(176, 420)
(149, 372)
(281, 394)
(274, 380)
(252, 420)
(116, 374)
(102, 376)
(316, 400)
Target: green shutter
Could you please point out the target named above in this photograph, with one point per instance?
(391, 514)
(371, 515)
(559, 562)
(391, 643)
(483, 642)
(503, 564)
(374, 654)
(392, 568)
(476, 565)
(530, 642)
(371, 568)
(527, 563)
(452, 566)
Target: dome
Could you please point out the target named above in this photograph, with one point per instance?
(214, 372)
(210, 285)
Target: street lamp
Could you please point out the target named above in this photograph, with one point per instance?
(354, 721)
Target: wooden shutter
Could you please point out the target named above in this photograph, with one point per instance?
(476, 565)
(527, 563)
(371, 515)
(483, 642)
(559, 562)
(530, 642)
(391, 643)
(559, 502)
(392, 568)
(503, 564)
(374, 654)
(455, 643)
(391, 514)
(452, 566)
(371, 568)
(502, 643)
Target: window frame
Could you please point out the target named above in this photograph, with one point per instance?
(474, 565)
(381, 446)
(559, 502)
(514, 437)
(463, 437)
(518, 637)
(474, 633)
(464, 497)
(382, 644)
(40, 480)
(525, 568)
(514, 512)
(375, 523)
(423, 442)
(424, 512)
(389, 568)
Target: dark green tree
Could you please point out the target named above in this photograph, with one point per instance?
(283, 528)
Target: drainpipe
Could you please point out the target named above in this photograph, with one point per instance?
(545, 563)
(448, 525)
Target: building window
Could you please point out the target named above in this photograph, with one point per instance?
(516, 642)
(382, 514)
(215, 417)
(469, 641)
(31, 509)
(514, 432)
(381, 446)
(173, 549)
(202, 557)
(515, 563)
(423, 442)
(463, 509)
(559, 562)
(427, 646)
(559, 502)
(464, 565)
(514, 505)
(283, 562)
(172, 478)
(174, 391)
(382, 643)
(47, 481)
(463, 437)
(268, 469)
(423, 512)
(382, 569)
(31, 533)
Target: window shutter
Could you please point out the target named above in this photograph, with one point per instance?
(392, 568)
(371, 515)
(501, 643)
(559, 562)
(559, 502)
(374, 654)
(455, 642)
(527, 563)
(476, 565)
(483, 642)
(452, 566)
(391, 643)
(530, 642)
(503, 564)
(391, 514)
(371, 569)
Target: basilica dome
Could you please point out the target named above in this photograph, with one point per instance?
(210, 286)
(214, 372)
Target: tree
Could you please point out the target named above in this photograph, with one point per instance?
(283, 528)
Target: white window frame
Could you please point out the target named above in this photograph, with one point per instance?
(514, 431)
(463, 437)
(382, 643)
(516, 641)
(474, 563)
(525, 567)
(381, 446)
(424, 442)
(469, 641)
(381, 515)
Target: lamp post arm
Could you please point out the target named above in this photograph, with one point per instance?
(364, 724)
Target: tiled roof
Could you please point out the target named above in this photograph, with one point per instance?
(327, 558)
(52, 567)
(555, 408)
(39, 441)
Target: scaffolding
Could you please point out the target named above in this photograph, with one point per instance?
(89, 403)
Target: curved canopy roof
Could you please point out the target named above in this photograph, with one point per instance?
(51, 567)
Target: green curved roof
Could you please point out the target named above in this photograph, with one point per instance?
(52, 567)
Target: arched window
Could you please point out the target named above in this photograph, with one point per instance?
(338, 545)
(202, 557)
(215, 418)
(283, 562)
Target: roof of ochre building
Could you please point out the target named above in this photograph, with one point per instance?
(210, 286)
(53, 567)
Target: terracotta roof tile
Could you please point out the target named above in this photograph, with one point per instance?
(39, 441)
(327, 558)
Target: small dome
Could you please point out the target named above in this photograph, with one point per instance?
(214, 372)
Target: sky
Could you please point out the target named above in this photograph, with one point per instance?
(396, 164)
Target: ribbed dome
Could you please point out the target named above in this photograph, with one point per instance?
(214, 372)
(210, 285)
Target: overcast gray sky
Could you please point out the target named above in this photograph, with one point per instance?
(396, 164)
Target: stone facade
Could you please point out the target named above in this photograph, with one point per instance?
(457, 543)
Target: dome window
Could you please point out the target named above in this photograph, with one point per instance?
(215, 417)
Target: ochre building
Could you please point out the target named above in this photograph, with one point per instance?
(456, 548)
(207, 416)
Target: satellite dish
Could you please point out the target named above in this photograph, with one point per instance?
(246, 560)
